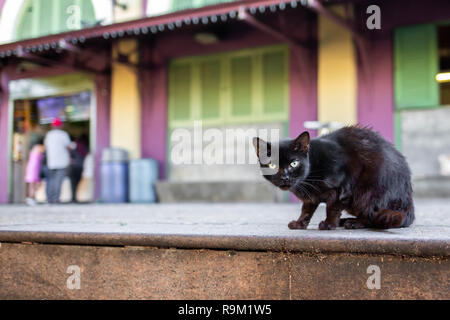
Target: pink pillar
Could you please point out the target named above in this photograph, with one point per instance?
(4, 126)
(375, 87)
(103, 96)
(4, 154)
(154, 115)
(303, 89)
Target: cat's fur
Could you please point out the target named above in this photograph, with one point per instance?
(352, 169)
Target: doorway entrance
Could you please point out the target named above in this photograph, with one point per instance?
(32, 116)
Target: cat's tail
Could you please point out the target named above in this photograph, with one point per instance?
(387, 218)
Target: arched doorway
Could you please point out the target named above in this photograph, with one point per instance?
(33, 105)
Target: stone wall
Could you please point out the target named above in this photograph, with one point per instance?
(425, 136)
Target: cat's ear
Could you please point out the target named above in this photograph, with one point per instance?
(301, 143)
(259, 144)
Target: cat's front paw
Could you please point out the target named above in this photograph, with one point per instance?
(297, 225)
(325, 225)
(354, 224)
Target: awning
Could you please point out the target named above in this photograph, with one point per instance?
(150, 25)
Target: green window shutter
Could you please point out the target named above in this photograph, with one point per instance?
(178, 5)
(180, 92)
(63, 14)
(25, 26)
(274, 82)
(211, 2)
(44, 17)
(210, 89)
(87, 11)
(416, 64)
(241, 86)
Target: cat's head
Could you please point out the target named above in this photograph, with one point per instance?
(292, 164)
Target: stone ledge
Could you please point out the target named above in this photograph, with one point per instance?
(217, 192)
(247, 227)
(40, 271)
(313, 244)
(432, 186)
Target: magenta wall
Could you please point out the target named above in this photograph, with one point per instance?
(4, 97)
(303, 90)
(103, 96)
(375, 88)
(375, 77)
(4, 154)
(153, 89)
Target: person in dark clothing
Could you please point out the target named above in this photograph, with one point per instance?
(77, 156)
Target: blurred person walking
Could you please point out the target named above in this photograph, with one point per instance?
(77, 156)
(57, 146)
(33, 170)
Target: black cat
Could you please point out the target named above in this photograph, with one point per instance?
(352, 169)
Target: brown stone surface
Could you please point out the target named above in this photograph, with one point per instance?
(39, 271)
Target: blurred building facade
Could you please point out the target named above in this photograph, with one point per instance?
(129, 72)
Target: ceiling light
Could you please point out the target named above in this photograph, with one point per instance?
(206, 38)
(443, 77)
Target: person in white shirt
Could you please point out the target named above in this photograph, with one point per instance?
(57, 144)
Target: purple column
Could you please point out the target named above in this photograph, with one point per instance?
(302, 88)
(4, 125)
(103, 96)
(302, 91)
(4, 154)
(154, 115)
(375, 87)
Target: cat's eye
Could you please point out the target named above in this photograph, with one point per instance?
(272, 166)
(294, 164)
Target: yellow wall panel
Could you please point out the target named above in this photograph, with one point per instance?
(337, 77)
(125, 102)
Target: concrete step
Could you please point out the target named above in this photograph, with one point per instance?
(218, 192)
(432, 186)
(221, 251)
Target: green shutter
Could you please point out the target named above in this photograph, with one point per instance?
(210, 89)
(180, 91)
(416, 65)
(25, 26)
(274, 82)
(87, 11)
(178, 5)
(241, 86)
(44, 17)
(63, 15)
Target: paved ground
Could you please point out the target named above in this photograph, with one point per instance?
(220, 226)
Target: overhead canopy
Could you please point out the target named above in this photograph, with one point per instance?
(151, 25)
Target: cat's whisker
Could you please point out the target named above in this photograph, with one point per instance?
(315, 180)
(311, 185)
(303, 190)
